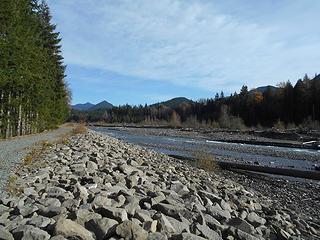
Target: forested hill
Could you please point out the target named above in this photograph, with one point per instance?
(174, 102)
(33, 92)
(282, 106)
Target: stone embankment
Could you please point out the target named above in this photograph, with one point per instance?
(97, 187)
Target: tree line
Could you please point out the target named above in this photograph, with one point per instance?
(33, 91)
(282, 106)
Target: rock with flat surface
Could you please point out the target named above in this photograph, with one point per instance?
(168, 209)
(255, 219)
(40, 221)
(5, 234)
(164, 224)
(188, 236)
(118, 214)
(30, 232)
(241, 224)
(102, 228)
(71, 229)
(157, 236)
(129, 230)
(218, 213)
(208, 233)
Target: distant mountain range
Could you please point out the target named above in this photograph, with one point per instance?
(172, 103)
(90, 107)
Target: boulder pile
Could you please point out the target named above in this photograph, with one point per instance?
(98, 187)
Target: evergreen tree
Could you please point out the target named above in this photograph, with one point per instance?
(33, 95)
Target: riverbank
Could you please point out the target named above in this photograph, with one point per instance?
(97, 187)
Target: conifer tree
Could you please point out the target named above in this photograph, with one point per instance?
(33, 94)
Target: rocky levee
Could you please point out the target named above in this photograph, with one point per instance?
(97, 187)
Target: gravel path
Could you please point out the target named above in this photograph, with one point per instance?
(12, 151)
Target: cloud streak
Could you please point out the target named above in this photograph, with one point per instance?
(191, 43)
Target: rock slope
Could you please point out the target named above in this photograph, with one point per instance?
(97, 187)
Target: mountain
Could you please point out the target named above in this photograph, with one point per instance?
(174, 102)
(102, 105)
(90, 107)
(263, 89)
(83, 107)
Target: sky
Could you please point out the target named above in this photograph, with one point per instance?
(145, 51)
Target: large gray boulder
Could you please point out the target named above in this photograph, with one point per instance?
(241, 224)
(255, 219)
(27, 232)
(208, 233)
(103, 228)
(129, 230)
(5, 234)
(118, 214)
(71, 229)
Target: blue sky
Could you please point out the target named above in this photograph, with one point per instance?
(144, 51)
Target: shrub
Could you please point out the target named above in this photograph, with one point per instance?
(291, 126)
(12, 187)
(231, 122)
(206, 161)
(80, 129)
(279, 125)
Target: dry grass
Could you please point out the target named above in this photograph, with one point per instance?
(32, 161)
(36, 153)
(206, 161)
(12, 187)
(80, 129)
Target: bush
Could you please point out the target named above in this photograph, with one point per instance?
(279, 125)
(206, 161)
(80, 129)
(12, 187)
(291, 126)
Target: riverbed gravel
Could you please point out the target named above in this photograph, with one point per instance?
(12, 151)
(98, 187)
(279, 152)
(296, 194)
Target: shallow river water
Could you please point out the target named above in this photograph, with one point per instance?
(242, 153)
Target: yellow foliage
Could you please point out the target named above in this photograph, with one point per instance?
(206, 161)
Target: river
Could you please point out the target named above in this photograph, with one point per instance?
(271, 156)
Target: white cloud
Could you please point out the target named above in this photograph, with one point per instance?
(191, 43)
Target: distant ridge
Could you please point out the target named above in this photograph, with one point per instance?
(83, 106)
(90, 107)
(102, 105)
(263, 89)
(174, 102)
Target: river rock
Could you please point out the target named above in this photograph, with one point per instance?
(218, 213)
(208, 233)
(5, 234)
(71, 229)
(30, 232)
(255, 219)
(129, 230)
(241, 224)
(118, 214)
(99, 187)
(103, 228)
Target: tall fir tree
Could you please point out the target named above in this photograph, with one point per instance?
(33, 94)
